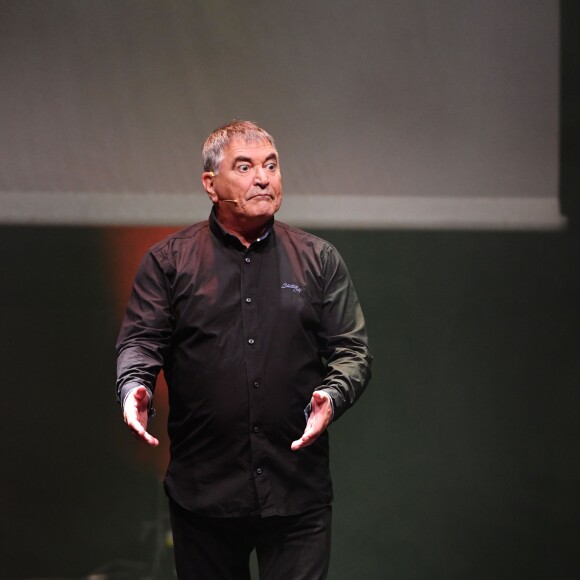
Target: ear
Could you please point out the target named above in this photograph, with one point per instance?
(207, 178)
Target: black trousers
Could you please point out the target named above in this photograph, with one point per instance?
(288, 548)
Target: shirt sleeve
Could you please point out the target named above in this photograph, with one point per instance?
(343, 336)
(145, 331)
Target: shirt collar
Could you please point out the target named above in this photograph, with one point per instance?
(226, 237)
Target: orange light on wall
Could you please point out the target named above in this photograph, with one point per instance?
(124, 249)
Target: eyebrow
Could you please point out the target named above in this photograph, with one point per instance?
(249, 159)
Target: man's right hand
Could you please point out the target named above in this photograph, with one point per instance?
(135, 411)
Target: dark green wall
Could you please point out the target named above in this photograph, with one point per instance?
(68, 488)
(461, 461)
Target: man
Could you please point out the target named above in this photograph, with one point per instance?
(261, 337)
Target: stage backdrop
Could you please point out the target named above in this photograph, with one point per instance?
(399, 113)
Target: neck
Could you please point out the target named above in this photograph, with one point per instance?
(246, 230)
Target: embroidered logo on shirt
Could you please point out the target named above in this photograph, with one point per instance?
(293, 287)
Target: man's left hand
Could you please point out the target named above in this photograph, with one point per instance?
(320, 417)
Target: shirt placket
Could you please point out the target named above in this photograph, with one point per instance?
(250, 273)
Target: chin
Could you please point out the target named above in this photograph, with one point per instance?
(262, 214)
(265, 208)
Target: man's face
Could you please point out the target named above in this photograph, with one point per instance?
(248, 184)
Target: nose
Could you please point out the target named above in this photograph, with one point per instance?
(261, 176)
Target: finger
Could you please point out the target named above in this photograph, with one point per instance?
(150, 440)
(313, 430)
(308, 437)
(136, 428)
(140, 433)
(145, 437)
(304, 441)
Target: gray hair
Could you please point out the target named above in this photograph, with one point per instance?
(215, 144)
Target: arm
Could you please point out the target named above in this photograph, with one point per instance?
(344, 345)
(343, 337)
(144, 336)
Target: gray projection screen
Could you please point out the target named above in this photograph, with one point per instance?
(393, 113)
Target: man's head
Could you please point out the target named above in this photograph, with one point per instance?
(242, 176)
(215, 144)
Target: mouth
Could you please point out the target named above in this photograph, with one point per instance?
(261, 196)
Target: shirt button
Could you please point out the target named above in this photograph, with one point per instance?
(259, 471)
(248, 300)
(256, 384)
(247, 260)
(251, 341)
(256, 429)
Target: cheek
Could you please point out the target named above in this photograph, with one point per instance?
(236, 190)
(243, 186)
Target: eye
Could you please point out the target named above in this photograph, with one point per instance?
(271, 166)
(244, 168)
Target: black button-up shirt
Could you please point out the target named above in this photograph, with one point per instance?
(244, 336)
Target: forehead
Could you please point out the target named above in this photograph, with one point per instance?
(252, 150)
